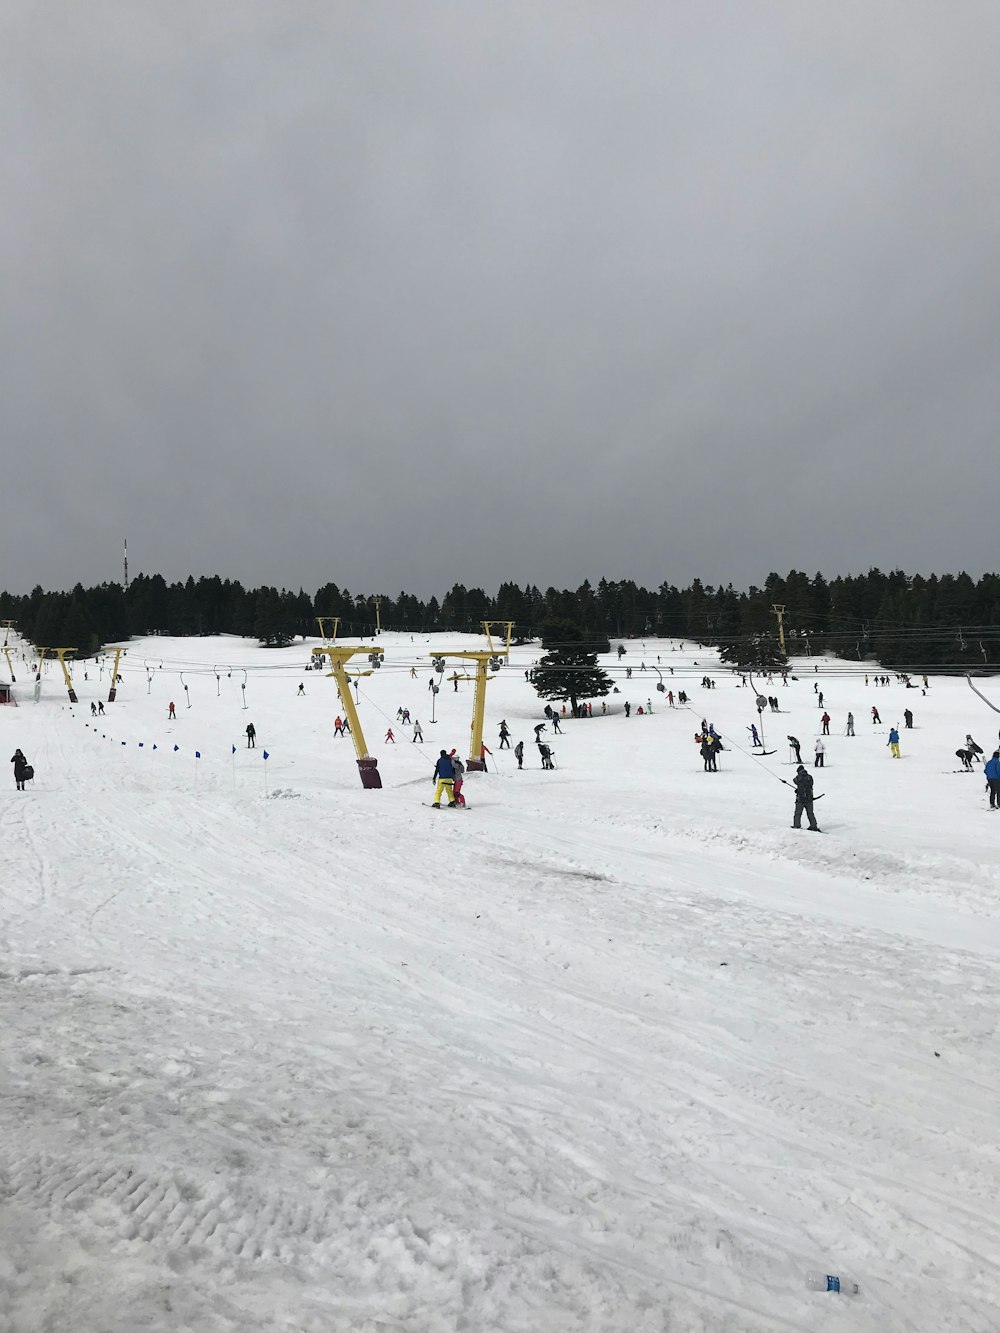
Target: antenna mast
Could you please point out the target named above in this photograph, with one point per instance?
(126, 564)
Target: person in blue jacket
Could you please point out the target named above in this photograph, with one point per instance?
(893, 742)
(992, 771)
(444, 771)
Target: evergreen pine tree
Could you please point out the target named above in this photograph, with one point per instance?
(569, 669)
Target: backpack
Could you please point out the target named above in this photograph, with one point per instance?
(29, 773)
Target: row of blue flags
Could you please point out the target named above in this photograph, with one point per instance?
(142, 744)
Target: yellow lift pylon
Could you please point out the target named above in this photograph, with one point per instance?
(339, 655)
(493, 658)
(114, 676)
(61, 654)
(8, 625)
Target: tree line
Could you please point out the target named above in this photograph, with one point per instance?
(896, 618)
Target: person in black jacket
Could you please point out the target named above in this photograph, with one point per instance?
(21, 767)
(804, 799)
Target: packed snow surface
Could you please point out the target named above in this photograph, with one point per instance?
(615, 1050)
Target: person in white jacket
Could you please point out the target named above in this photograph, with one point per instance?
(820, 752)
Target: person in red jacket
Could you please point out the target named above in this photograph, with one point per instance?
(825, 719)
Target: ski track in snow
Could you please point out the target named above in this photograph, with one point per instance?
(591, 1059)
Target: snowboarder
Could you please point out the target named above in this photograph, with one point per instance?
(251, 733)
(418, 734)
(850, 724)
(793, 744)
(893, 742)
(825, 719)
(908, 719)
(992, 771)
(170, 711)
(459, 768)
(804, 800)
(23, 772)
(820, 753)
(504, 735)
(444, 773)
(519, 753)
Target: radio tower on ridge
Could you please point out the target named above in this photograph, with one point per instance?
(126, 564)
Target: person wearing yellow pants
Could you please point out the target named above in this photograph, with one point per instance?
(893, 742)
(444, 771)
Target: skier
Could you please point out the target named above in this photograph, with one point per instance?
(100, 708)
(794, 745)
(755, 739)
(302, 688)
(821, 699)
(23, 771)
(251, 733)
(820, 753)
(875, 716)
(389, 737)
(893, 742)
(538, 730)
(459, 768)
(670, 698)
(707, 751)
(338, 726)
(970, 744)
(170, 711)
(850, 724)
(555, 723)
(825, 719)
(504, 735)
(405, 719)
(966, 758)
(908, 719)
(628, 709)
(546, 755)
(519, 753)
(418, 734)
(483, 752)
(444, 773)
(804, 800)
(992, 771)
(93, 710)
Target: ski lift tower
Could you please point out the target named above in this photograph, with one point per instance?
(339, 655)
(493, 658)
(61, 654)
(8, 625)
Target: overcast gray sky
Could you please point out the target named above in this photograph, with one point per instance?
(398, 295)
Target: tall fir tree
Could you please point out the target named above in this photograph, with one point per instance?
(569, 668)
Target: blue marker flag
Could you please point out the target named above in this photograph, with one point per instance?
(197, 754)
(176, 748)
(141, 744)
(265, 754)
(155, 746)
(234, 749)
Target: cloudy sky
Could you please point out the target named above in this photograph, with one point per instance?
(398, 295)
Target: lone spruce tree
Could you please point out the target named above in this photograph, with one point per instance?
(569, 668)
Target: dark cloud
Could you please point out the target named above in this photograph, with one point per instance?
(397, 295)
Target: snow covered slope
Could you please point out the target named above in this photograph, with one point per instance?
(615, 1051)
